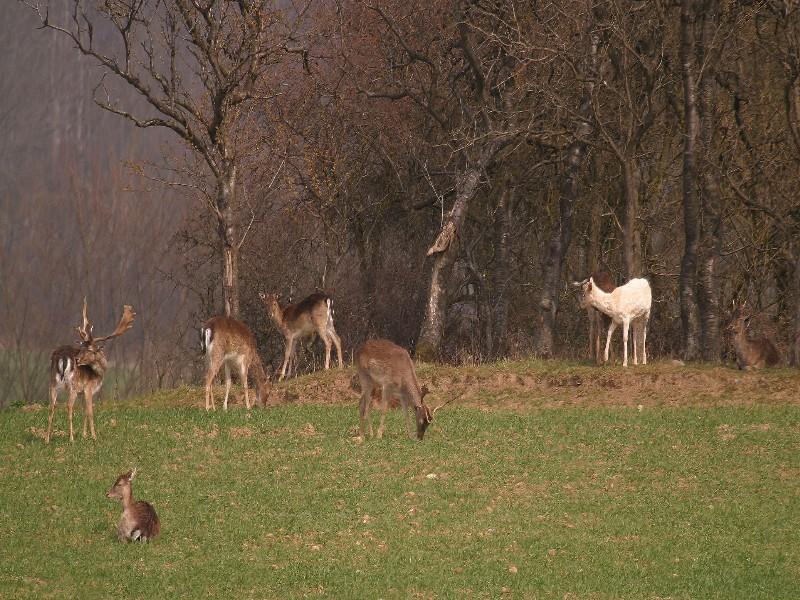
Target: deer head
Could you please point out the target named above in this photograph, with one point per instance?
(741, 316)
(123, 482)
(92, 347)
(272, 302)
(585, 287)
(425, 414)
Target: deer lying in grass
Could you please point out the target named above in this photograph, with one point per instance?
(627, 305)
(385, 365)
(225, 342)
(139, 521)
(751, 353)
(598, 321)
(80, 369)
(296, 321)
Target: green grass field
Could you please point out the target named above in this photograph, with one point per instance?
(675, 499)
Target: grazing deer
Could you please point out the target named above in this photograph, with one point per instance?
(80, 369)
(139, 521)
(598, 321)
(385, 365)
(226, 341)
(296, 321)
(751, 353)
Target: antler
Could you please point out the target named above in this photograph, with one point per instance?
(85, 331)
(125, 323)
(446, 403)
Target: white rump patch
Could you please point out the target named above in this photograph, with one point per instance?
(64, 370)
(207, 339)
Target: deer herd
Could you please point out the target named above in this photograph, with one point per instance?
(380, 364)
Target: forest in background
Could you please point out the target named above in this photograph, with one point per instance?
(443, 169)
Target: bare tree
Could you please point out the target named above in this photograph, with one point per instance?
(575, 154)
(199, 67)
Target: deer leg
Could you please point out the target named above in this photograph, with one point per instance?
(243, 376)
(336, 342)
(635, 327)
(85, 415)
(227, 386)
(598, 336)
(70, 404)
(88, 410)
(410, 417)
(611, 329)
(286, 355)
(625, 326)
(53, 399)
(327, 341)
(644, 338)
(385, 397)
(211, 373)
(363, 407)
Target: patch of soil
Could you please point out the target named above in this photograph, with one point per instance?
(510, 388)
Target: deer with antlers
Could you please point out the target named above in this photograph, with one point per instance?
(228, 342)
(296, 321)
(80, 369)
(385, 365)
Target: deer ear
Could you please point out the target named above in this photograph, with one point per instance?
(424, 391)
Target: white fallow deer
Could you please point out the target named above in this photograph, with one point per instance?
(297, 321)
(598, 321)
(139, 521)
(385, 365)
(751, 352)
(628, 305)
(228, 342)
(80, 369)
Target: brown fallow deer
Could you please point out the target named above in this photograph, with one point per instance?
(751, 353)
(80, 369)
(228, 342)
(139, 521)
(297, 321)
(384, 365)
(598, 321)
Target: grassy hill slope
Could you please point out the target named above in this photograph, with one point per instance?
(545, 480)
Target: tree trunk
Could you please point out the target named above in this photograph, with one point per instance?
(367, 260)
(691, 207)
(226, 229)
(568, 196)
(501, 274)
(795, 350)
(711, 232)
(632, 239)
(594, 250)
(445, 249)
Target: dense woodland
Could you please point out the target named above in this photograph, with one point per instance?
(443, 169)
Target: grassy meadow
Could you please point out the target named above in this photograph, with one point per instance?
(546, 480)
